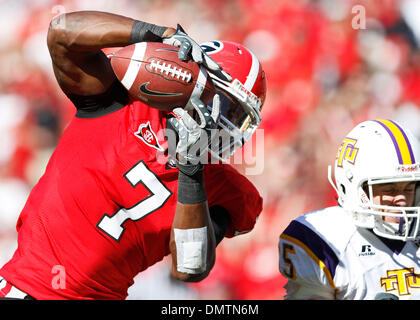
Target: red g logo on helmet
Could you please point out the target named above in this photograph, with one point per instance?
(240, 63)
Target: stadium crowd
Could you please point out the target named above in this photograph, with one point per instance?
(329, 65)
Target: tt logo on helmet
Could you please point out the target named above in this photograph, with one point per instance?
(347, 151)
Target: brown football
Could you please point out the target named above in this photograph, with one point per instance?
(152, 73)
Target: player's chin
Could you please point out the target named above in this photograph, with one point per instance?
(391, 219)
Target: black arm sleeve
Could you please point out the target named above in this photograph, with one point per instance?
(221, 220)
(93, 106)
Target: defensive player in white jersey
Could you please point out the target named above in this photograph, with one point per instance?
(367, 247)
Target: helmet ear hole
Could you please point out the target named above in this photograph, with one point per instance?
(342, 189)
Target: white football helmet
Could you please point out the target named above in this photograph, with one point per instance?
(241, 99)
(376, 152)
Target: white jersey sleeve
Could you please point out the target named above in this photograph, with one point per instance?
(309, 254)
(306, 263)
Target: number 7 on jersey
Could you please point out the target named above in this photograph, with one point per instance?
(159, 194)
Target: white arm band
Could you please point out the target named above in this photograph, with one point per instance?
(191, 250)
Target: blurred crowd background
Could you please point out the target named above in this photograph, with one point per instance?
(330, 64)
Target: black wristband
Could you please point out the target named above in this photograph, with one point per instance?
(191, 189)
(143, 31)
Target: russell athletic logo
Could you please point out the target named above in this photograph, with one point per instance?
(366, 251)
(146, 134)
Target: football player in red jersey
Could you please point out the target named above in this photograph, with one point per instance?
(106, 207)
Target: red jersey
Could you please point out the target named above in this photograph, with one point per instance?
(102, 212)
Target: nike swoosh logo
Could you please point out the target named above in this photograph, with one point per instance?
(143, 88)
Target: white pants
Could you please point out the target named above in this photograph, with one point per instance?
(9, 291)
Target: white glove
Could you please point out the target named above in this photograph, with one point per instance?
(188, 47)
(195, 138)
